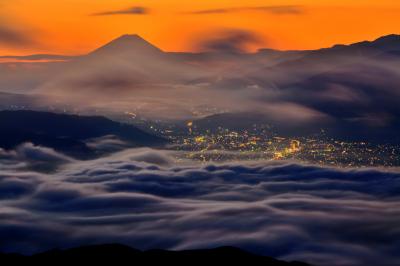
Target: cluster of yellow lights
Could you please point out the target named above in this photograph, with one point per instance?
(261, 144)
(293, 148)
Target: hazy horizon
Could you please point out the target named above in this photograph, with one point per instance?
(259, 49)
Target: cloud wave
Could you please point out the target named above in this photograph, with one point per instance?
(141, 197)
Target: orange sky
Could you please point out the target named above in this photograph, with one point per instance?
(67, 26)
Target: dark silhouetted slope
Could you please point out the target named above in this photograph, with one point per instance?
(123, 255)
(65, 133)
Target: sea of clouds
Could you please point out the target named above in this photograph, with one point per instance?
(144, 198)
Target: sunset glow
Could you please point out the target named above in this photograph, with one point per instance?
(78, 26)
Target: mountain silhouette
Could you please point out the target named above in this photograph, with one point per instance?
(126, 44)
(115, 254)
(382, 44)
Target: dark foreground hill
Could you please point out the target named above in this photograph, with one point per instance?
(66, 133)
(123, 255)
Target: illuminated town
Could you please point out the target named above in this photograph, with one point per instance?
(243, 146)
(261, 144)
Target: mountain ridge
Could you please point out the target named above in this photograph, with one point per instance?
(124, 255)
(66, 133)
(139, 41)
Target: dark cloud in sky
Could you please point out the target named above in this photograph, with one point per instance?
(13, 37)
(276, 10)
(136, 10)
(231, 41)
(325, 216)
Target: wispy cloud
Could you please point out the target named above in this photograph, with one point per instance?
(276, 10)
(136, 10)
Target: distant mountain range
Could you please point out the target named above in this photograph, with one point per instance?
(66, 133)
(135, 44)
(348, 89)
(124, 255)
